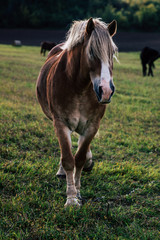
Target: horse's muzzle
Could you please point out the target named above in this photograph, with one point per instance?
(104, 93)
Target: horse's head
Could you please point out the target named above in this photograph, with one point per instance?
(100, 51)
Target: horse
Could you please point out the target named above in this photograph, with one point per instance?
(46, 46)
(148, 56)
(17, 43)
(73, 88)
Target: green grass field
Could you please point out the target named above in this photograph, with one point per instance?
(122, 193)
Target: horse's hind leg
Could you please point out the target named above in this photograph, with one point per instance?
(150, 72)
(61, 173)
(144, 69)
(64, 138)
(89, 162)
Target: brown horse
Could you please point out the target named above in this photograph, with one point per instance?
(46, 46)
(148, 56)
(73, 88)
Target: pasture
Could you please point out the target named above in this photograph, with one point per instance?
(121, 194)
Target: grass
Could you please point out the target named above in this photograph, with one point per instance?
(122, 191)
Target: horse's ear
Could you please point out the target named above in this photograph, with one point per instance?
(90, 26)
(112, 28)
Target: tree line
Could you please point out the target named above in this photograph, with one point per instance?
(130, 14)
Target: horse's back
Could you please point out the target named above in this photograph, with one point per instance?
(148, 54)
(47, 45)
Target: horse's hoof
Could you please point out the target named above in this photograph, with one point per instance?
(72, 202)
(60, 176)
(89, 169)
(79, 195)
(80, 199)
(61, 173)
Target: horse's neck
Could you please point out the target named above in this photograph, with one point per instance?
(76, 67)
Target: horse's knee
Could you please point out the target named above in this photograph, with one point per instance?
(80, 160)
(68, 163)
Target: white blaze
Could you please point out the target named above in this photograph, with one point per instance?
(105, 74)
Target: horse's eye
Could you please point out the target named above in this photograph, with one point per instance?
(91, 54)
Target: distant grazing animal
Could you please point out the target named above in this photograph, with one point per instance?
(46, 46)
(148, 56)
(73, 88)
(17, 43)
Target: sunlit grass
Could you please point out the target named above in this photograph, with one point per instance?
(122, 191)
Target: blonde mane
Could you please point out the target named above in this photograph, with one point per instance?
(100, 44)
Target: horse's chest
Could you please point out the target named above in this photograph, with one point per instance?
(77, 123)
(82, 125)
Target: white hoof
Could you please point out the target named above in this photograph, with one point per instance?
(79, 195)
(72, 201)
(88, 166)
(61, 173)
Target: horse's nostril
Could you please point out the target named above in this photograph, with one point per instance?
(100, 92)
(112, 87)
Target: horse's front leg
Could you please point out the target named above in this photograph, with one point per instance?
(67, 160)
(83, 157)
(144, 69)
(88, 163)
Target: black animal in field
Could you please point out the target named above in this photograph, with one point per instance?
(148, 56)
(46, 46)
